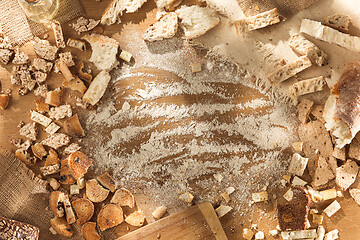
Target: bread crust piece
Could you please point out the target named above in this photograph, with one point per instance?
(66, 173)
(116, 8)
(88, 231)
(168, 5)
(61, 227)
(196, 20)
(110, 216)
(107, 181)
(84, 210)
(11, 229)
(165, 27)
(79, 164)
(97, 88)
(136, 218)
(95, 192)
(56, 203)
(44, 50)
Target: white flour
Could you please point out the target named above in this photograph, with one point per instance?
(176, 146)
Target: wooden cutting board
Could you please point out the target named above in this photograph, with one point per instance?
(196, 222)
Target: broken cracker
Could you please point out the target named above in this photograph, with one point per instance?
(110, 216)
(346, 174)
(95, 192)
(84, 210)
(304, 109)
(79, 164)
(123, 197)
(136, 218)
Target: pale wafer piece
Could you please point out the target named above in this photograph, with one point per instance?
(323, 173)
(289, 70)
(97, 88)
(41, 119)
(63, 111)
(58, 33)
(340, 22)
(20, 57)
(61, 226)
(5, 55)
(332, 235)
(117, 8)
(74, 147)
(304, 109)
(307, 86)
(332, 208)
(95, 192)
(258, 21)
(88, 231)
(42, 65)
(110, 216)
(304, 47)
(328, 194)
(123, 197)
(165, 27)
(346, 174)
(355, 194)
(107, 181)
(83, 24)
(74, 189)
(136, 218)
(196, 20)
(330, 35)
(84, 210)
(340, 153)
(297, 164)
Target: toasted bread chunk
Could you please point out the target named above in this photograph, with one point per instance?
(79, 164)
(186, 197)
(56, 203)
(56, 140)
(196, 20)
(123, 197)
(65, 173)
(307, 86)
(49, 170)
(24, 156)
(58, 33)
(66, 58)
(4, 101)
(159, 212)
(60, 112)
(54, 98)
(20, 58)
(355, 194)
(107, 181)
(168, 5)
(346, 174)
(29, 130)
(74, 147)
(97, 88)
(65, 70)
(95, 192)
(136, 218)
(70, 215)
(52, 158)
(38, 150)
(88, 231)
(75, 84)
(332, 208)
(54, 184)
(84, 210)
(110, 216)
(258, 21)
(165, 27)
(61, 227)
(75, 43)
(44, 49)
(84, 74)
(41, 106)
(323, 173)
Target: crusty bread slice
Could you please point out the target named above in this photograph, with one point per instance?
(104, 50)
(168, 5)
(165, 27)
(258, 21)
(307, 86)
(115, 10)
(196, 20)
(97, 88)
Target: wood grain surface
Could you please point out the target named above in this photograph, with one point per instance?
(18, 110)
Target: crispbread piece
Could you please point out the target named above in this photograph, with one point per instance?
(79, 164)
(318, 111)
(304, 109)
(41, 119)
(104, 50)
(168, 5)
(65, 173)
(95, 192)
(258, 21)
(110, 216)
(70, 215)
(44, 49)
(330, 35)
(74, 147)
(11, 229)
(58, 33)
(61, 226)
(60, 112)
(355, 194)
(116, 8)
(84, 210)
(42, 65)
(29, 130)
(88, 231)
(293, 215)
(56, 140)
(40, 77)
(54, 98)
(196, 20)
(123, 197)
(20, 58)
(340, 153)
(56, 203)
(298, 164)
(136, 218)
(304, 47)
(323, 173)
(165, 27)
(338, 21)
(289, 70)
(307, 86)
(52, 158)
(317, 142)
(346, 174)
(107, 181)
(354, 150)
(49, 170)
(38, 150)
(97, 88)
(41, 90)
(75, 43)
(52, 128)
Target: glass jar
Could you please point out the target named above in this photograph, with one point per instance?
(41, 11)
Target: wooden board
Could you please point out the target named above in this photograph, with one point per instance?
(196, 222)
(233, 224)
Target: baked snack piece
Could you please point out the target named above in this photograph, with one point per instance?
(293, 215)
(307, 86)
(60, 112)
(104, 50)
(304, 109)
(75, 43)
(84, 210)
(54, 98)
(4, 101)
(346, 174)
(297, 164)
(56, 200)
(66, 173)
(95, 192)
(79, 164)
(165, 27)
(355, 194)
(289, 70)
(56, 140)
(323, 173)
(20, 58)
(73, 126)
(41, 65)
(330, 35)
(44, 49)
(258, 21)
(88, 231)
(83, 24)
(196, 20)
(29, 130)
(342, 109)
(11, 229)
(58, 33)
(97, 88)
(38, 150)
(84, 74)
(338, 21)
(123, 197)
(136, 218)
(110, 216)
(65, 57)
(61, 226)
(303, 46)
(107, 181)
(116, 8)
(5, 55)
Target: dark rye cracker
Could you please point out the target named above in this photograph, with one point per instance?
(293, 215)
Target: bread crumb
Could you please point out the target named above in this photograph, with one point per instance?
(223, 210)
(126, 56)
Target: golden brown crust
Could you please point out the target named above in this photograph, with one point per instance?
(38, 150)
(83, 74)
(73, 126)
(88, 231)
(4, 101)
(66, 176)
(123, 197)
(79, 164)
(110, 216)
(95, 192)
(52, 158)
(107, 181)
(84, 210)
(56, 204)
(61, 227)
(41, 106)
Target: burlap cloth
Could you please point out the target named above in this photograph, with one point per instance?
(19, 29)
